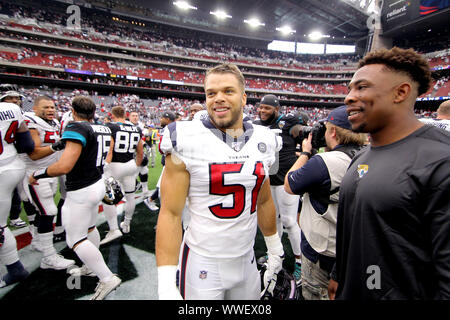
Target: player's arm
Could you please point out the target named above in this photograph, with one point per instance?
(267, 225)
(110, 151)
(39, 152)
(63, 166)
(23, 141)
(266, 211)
(139, 152)
(174, 190)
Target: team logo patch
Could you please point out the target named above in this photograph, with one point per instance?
(362, 169)
(262, 147)
(203, 275)
(281, 124)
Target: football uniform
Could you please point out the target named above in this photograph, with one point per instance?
(12, 170)
(42, 194)
(123, 168)
(226, 175)
(440, 123)
(85, 188)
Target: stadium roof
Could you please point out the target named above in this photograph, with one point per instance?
(343, 19)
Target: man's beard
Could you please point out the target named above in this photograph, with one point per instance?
(268, 121)
(225, 125)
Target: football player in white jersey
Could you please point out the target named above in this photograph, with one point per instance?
(126, 143)
(224, 176)
(44, 129)
(443, 117)
(14, 138)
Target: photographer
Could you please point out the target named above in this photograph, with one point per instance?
(318, 179)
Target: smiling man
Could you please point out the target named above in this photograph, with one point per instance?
(393, 226)
(221, 166)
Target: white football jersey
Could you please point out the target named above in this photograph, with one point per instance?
(65, 119)
(48, 134)
(10, 120)
(226, 175)
(440, 123)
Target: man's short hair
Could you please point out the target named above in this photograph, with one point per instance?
(406, 61)
(40, 98)
(84, 107)
(228, 68)
(348, 137)
(118, 112)
(444, 109)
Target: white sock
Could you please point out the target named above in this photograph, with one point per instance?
(111, 216)
(46, 244)
(93, 259)
(94, 237)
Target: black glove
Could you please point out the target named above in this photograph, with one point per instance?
(59, 145)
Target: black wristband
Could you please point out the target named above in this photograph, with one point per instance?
(41, 173)
(308, 154)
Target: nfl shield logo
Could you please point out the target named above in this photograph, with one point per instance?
(203, 274)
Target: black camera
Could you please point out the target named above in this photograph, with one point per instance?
(318, 134)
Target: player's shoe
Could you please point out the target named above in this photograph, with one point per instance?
(105, 288)
(82, 271)
(125, 226)
(17, 223)
(298, 274)
(111, 235)
(56, 262)
(151, 204)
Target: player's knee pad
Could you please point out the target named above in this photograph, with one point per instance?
(8, 251)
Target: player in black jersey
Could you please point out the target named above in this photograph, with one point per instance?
(286, 204)
(82, 162)
(126, 142)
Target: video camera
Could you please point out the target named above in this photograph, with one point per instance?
(318, 134)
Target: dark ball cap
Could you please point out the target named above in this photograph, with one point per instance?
(339, 117)
(169, 115)
(270, 100)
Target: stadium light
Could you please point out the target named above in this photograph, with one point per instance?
(184, 5)
(286, 30)
(220, 14)
(316, 35)
(253, 22)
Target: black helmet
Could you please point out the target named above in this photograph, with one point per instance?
(114, 191)
(281, 287)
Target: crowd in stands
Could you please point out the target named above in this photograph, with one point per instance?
(150, 110)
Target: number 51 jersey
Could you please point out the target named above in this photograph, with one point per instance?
(226, 175)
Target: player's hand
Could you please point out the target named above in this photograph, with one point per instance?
(59, 145)
(332, 288)
(32, 181)
(274, 265)
(170, 293)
